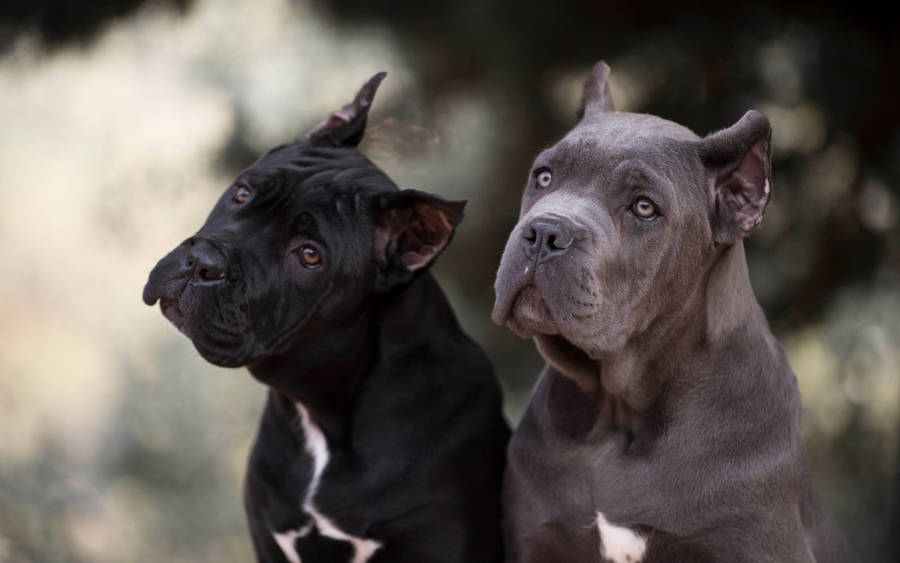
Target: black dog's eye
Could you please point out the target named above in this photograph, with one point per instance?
(310, 256)
(542, 178)
(644, 208)
(241, 193)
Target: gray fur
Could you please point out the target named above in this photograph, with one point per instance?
(666, 402)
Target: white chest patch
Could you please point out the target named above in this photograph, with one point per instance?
(619, 544)
(286, 540)
(317, 447)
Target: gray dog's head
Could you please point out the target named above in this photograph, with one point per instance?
(619, 221)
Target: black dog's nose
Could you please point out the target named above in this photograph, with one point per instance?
(546, 236)
(207, 263)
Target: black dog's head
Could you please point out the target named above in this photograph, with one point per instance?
(302, 238)
(620, 220)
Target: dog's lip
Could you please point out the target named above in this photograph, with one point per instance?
(506, 299)
(503, 307)
(169, 287)
(537, 319)
(172, 311)
(155, 291)
(150, 295)
(501, 311)
(168, 293)
(529, 314)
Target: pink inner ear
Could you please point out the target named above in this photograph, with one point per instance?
(336, 119)
(746, 191)
(416, 260)
(425, 236)
(419, 232)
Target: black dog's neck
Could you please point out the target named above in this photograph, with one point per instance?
(324, 375)
(321, 373)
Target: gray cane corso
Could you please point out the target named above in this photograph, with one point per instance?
(382, 440)
(666, 423)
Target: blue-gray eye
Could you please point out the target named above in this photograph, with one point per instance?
(241, 193)
(544, 178)
(644, 208)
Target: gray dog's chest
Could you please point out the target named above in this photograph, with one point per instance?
(567, 507)
(570, 514)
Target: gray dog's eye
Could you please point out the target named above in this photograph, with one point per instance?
(241, 193)
(543, 178)
(644, 208)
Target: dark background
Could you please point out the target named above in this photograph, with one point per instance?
(825, 263)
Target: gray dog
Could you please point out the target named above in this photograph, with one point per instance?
(665, 425)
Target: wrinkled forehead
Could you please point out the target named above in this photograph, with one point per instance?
(625, 129)
(309, 167)
(603, 146)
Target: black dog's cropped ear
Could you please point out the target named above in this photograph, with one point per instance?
(597, 98)
(411, 229)
(739, 159)
(346, 126)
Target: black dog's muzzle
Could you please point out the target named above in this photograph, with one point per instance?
(198, 261)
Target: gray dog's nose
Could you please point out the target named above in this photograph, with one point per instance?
(207, 263)
(545, 236)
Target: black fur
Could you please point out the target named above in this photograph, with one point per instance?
(364, 339)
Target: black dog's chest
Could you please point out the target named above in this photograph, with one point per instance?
(314, 546)
(307, 544)
(314, 533)
(315, 536)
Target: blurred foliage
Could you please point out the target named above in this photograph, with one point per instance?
(122, 122)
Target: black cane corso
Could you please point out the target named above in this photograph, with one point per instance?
(665, 426)
(382, 439)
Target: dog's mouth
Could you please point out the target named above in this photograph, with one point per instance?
(221, 345)
(529, 314)
(172, 311)
(168, 290)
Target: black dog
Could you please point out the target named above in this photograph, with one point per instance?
(382, 439)
(666, 424)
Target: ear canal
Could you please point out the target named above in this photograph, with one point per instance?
(597, 97)
(740, 162)
(346, 126)
(412, 229)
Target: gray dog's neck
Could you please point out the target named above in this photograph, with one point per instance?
(721, 312)
(730, 301)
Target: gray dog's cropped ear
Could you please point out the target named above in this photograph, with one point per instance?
(597, 97)
(411, 229)
(740, 161)
(346, 126)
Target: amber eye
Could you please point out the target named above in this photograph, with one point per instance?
(543, 178)
(644, 208)
(310, 256)
(241, 193)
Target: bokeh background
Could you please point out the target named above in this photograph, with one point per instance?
(121, 122)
